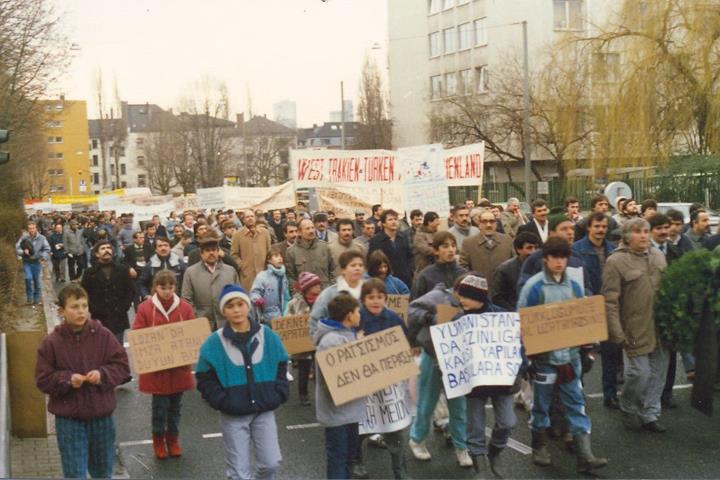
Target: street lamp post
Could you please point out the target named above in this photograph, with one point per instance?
(526, 112)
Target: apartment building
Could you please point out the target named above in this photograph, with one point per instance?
(66, 130)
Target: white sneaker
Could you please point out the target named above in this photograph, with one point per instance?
(463, 458)
(289, 376)
(420, 451)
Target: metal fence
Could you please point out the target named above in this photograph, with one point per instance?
(701, 187)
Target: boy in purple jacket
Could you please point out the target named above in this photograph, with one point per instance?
(79, 365)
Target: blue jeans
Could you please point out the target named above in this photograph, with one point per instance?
(571, 397)
(32, 279)
(610, 355)
(504, 422)
(341, 445)
(86, 446)
(429, 387)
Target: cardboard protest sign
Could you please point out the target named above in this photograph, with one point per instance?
(399, 305)
(463, 166)
(327, 168)
(357, 369)
(445, 313)
(294, 331)
(387, 410)
(478, 350)
(167, 346)
(563, 324)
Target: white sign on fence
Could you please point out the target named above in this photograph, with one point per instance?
(478, 350)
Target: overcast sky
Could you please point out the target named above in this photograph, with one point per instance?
(277, 49)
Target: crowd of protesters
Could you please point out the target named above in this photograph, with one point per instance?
(242, 269)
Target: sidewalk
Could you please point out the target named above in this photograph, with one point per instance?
(35, 457)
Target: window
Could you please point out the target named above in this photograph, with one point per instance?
(94, 160)
(122, 151)
(56, 155)
(435, 87)
(57, 188)
(466, 84)
(481, 77)
(448, 4)
(59, 107)
(94, 143)
(567, 14)
(480, 31)
(142, 182)
(435, 44)
(123, 184)
(96, 178)
(140, 142)
(141, 161)
(122, 169)
(56, 172)
(451, 84)
(54, 124)
(55, 139)
(112, 169)
(449, 35)
(434, 6)
(465, 39)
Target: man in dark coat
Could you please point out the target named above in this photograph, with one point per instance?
(504, 292)
(395, 246)
(110, 290)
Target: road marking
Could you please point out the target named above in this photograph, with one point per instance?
(676, 387)
(514, 444)
(136, 442)
(302, 426)
(212, 435)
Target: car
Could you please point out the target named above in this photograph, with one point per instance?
(663, 207)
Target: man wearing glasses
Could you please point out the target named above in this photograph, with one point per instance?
(483, 252)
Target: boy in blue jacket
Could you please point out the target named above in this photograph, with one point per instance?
(242, 372)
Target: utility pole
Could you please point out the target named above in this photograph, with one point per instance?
(342, 115)
(526, 113)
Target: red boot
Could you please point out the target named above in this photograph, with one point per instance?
(159, 446)
(173, 444)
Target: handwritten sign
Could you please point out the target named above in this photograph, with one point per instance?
(357, 369)
(294, 331)
(399, 305)
(478, 350)
(424, 179)
(564, 324)
(167, 346)
(387, 410)
(445, 313)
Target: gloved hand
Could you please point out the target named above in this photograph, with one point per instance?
(260, 303)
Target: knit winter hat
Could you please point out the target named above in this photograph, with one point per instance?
(473, 286)
(231, 291)
(555, 220)
(307, 280)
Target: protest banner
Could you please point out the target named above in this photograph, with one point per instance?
(445, 313)
(294, 331)
(463, 166)
(328, 168)
(345, 201)
(211, 198)
(424, 179)
(387, 410)
(478, 350)
(357, 369)
(399, 305)
(167, 346)
(262, 198)
(564, 324)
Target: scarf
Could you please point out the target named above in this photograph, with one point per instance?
(158, 304)
(342, 286)
(283, 292)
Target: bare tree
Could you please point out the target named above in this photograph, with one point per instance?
(161, 149)
(264, 153)
(375, 129)
(113, 133)
(205, 124)
(185, 168)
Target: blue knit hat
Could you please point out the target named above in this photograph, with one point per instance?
(231, 291)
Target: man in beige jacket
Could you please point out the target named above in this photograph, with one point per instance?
(484, 252)
(250, 245)
(631, 279)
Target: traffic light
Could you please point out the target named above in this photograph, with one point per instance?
(4, 137)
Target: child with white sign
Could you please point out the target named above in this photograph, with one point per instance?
(165, 386)
(340, 422)
(472, 292)
(375, 317)
(242, 372)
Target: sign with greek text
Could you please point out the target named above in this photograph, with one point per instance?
(387, 410)
(357, 369)
(463, 166)
(399, 305)
(564, 324)
(326, 168)
(167, 346)
(294, 331)
(478, 350)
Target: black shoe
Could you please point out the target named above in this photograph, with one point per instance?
(304, 401)
(669, 404)
(654, 427)
(612, 403)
